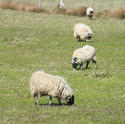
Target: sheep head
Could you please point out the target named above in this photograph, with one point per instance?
(70, 100)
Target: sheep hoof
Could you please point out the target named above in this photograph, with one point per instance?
(36, 103)
(50, 103)
(60, 103)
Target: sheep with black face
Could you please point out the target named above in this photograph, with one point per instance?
(90, 12)
(44, 84)
(82, 55)
(82, 32)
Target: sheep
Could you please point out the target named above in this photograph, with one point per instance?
(90, 12)
(82, 32)
(44, 84)
(82, 55)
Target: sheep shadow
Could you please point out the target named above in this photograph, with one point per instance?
(84, 68)
(54, 104)
(93, 19)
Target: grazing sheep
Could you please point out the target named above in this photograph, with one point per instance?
(44, 84)
(90, 12)
(82, 55)
(82, 32)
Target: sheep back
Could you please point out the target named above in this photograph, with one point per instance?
(84, 54)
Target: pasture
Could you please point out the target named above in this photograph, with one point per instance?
(37, 41)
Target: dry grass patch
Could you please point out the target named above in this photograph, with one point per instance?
(118, 13)
(59, 10)
(77, 12)
(22, 6)
(103, 14)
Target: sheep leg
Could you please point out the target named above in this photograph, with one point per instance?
(81, 66)
(50, 102)
(87, 64)
(93, 61)
(90, 17)
(79, 39)
(36, 98)
(85, 40)
(59, 101)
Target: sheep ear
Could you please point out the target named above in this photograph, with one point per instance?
(75, 59)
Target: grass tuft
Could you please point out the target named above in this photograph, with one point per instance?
(100, 74)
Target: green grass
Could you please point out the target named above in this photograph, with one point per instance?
(30, 42)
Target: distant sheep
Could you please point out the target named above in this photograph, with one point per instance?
(82, 55)
(82, 32)
(90, 12)
(44, 84)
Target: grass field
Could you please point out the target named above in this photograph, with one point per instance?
(30, 42)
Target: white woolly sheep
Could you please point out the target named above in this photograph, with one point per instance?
(44, 84)
(82, 32)
(82, 55)
(90, 12)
